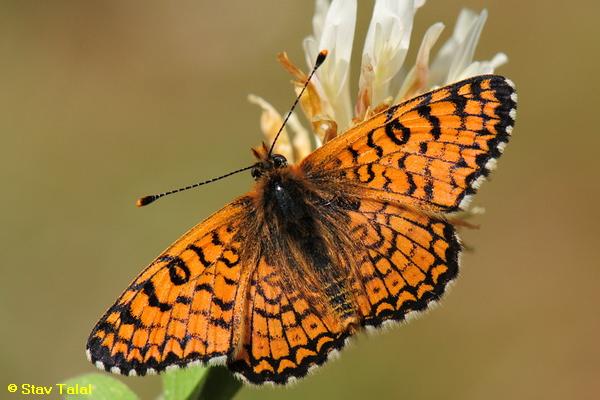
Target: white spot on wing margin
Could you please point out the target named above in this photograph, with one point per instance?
(171, 367)
(464, 203)
(491, 164)
(221, 360)
(333, 355)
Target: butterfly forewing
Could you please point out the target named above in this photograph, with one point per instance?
(430, 152)
(185, 306)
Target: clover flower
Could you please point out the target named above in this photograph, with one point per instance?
(385, 79)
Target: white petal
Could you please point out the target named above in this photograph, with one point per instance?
(464, 56)
(483, 67)
(336, 36)
(454, 50)
(301, 139)
(310, 43)
(338, 32)
(396, 19)
(429, 40)
(270, 122)
(418, 75)
(387, 42)
(321, 7)
(311, 49)
(466, 18)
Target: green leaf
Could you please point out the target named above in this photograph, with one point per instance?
(102, 387)
(182, 383)
(219, 384)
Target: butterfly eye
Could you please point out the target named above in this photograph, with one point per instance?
(256, 172)
(279, 161)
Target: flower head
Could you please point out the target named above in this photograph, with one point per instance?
(384, 77)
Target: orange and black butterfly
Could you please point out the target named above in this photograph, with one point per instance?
(357, 235)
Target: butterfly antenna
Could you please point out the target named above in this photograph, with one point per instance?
(144, 201)
(320, 58)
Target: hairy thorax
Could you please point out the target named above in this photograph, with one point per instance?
(300, 238)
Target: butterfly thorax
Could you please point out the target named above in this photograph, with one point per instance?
(299, 239)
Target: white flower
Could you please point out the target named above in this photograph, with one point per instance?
(386, 45)
(455, 59)
(333, 30)
(417, 78)
(384, 78)
(270, 121)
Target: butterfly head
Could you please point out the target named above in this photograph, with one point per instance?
(269, 164)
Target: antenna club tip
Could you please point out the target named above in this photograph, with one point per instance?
(143, 201)
(321, 57)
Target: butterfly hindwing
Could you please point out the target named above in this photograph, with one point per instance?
(407, 260)
(431, 152)
(285, 336)
(183, 308)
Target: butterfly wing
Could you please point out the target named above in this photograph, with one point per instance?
(407, 259)
(431, 152)
(403, 261)
(185, 306)
(285, 336)
(403, 170)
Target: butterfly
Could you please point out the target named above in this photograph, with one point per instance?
(357, 235)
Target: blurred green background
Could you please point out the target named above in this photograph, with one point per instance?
(101, 102)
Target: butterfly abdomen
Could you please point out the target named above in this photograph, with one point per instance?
(289, 208)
